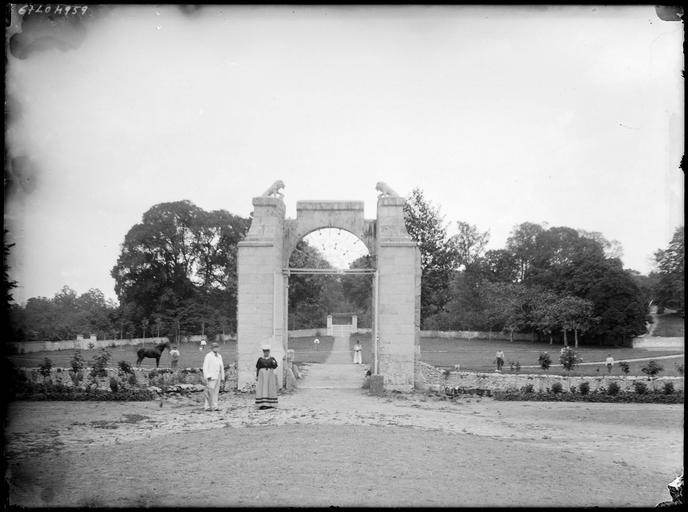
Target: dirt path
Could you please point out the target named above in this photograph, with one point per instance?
(342, 447)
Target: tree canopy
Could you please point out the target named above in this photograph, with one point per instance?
(178, 265)
(438, 253)
(550, 281)
(670, 288)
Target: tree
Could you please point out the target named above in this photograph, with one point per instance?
(652, 369)
(522, 244)
(575, 314)
(619, 310)
(558, 252)
(358, 290)
(670, 289)
(497, 265)
(177, 255)
(9, 328)
(508, 306)
(612, 249)
(545, 315)
(306, 309)
(569, 359)
(544, 360)
(438, 254)
(469, 243)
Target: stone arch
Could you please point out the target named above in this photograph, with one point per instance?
(264, 255)
(314, 215)
(290, 245)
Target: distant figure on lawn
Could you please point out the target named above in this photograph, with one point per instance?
(500, 360)
(174, 354)
(213, 375)
(357, 353)
(202, 345)
(316, 343)
(266, 386)
(609, 363)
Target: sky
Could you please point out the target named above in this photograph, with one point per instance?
(571, 116)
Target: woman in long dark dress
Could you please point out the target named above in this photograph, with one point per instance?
(266, 387)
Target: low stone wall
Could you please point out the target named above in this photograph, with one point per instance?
(659, 343)
(27, 347)
(147, 378)
(302, 333)
(469, 335)
(430, 377)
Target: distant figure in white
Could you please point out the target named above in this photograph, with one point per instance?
(274, 190)
(385, 190)
(609, 363)
(357, 353)
(316, 343)
(202, 345)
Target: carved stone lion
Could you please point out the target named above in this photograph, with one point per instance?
(385, 190)
(274, 190)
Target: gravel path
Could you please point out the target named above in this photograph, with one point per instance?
(326, 446)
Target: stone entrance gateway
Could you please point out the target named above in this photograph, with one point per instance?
(263, 275)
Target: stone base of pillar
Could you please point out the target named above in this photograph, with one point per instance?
(377, 385)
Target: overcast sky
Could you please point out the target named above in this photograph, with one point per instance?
(571, 116)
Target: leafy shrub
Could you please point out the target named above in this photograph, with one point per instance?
(125, 367)
(668, 388)
(572, 389)
(78, 362)
(640, 387)
(528, 388)
(679, 369)
(584, 388)
(625, 367)
(518, 366)
(152, 374)
(545, 361)
(132, 379)
(557, 388)
(77, 377)
(652, 368)
(99, 363)
(91, 345)
(446, 373)
(569, 359)
(613, 389)
(114, 384)
(45, 367)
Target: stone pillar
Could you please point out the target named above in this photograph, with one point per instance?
(329, 325)
(398, 315)
(354, 323)
(261, 286)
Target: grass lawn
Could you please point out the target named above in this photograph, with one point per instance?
(670, 325)
(305, 352)
(190, 356)
(472, 355)
(479, 354)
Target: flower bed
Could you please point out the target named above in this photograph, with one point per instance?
(123, 383)
(624, 397)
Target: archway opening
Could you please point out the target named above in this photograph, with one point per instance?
(330, 296)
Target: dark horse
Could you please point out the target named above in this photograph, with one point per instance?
(155, 352)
